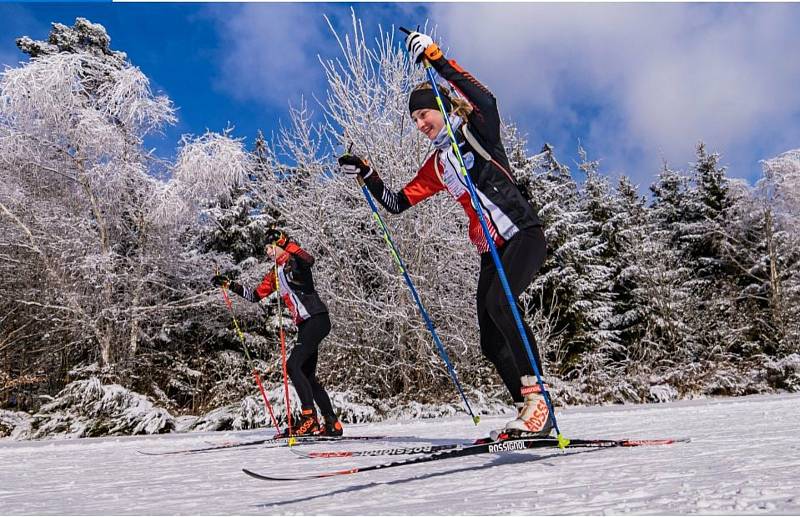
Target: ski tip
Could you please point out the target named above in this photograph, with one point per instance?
(663, 441)
(162, 453)
(256, 475)
(562, 441)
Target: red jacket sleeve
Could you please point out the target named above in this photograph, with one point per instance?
(267, 285)
(425, 184)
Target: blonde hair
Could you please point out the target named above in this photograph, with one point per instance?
(460, 107)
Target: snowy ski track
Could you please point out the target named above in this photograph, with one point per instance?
(744, 458)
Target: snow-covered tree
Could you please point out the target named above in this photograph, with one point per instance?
(97, 248)
(75, 187)
(777, 206)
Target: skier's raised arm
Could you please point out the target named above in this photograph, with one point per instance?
(483, 101)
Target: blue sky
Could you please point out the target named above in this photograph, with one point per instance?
(635, 84)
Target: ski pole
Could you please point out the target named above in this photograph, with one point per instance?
(283, 351)
(256, 376)
(562, 441)
(393, 249)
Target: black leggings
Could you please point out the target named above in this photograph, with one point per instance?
(302, 363)
(522, 256)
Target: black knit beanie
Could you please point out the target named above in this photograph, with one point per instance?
(425, 99)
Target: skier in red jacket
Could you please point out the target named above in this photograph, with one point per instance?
(292, 274)
(513, 223)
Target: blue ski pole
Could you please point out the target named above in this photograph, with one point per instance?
(393, 249)
(501, 273)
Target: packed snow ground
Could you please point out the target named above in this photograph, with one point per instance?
(744, 458)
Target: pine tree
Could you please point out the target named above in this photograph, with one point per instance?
(628, 238)
(604, 248)
(574, 285)
(664, 292)
(706, 238)
(240, 218)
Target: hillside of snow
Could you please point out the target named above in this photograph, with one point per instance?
(744, 458)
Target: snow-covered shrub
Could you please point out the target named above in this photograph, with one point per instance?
(662, 393)
(784, 373)
(250, 413)
(491, 404)
(415, 410)
(480, 403)
(220, 419)
(14, 424)
(352, 408)
(88, 408)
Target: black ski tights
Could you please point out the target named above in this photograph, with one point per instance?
(302, 363)
(522, 256)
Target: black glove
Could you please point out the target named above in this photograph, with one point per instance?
(220, 280)
(276, 236)
(352, 165)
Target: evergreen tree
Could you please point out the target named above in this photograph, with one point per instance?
(240, 219)
(600, 260)
(670, 334)
(575, 280)
(628, 238)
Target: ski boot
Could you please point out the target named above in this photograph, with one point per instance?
(534, 419)
(332, 427)
(307, 425)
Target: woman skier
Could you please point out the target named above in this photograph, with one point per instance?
(512, 221)
(292, 273)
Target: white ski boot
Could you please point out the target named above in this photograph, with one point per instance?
(534, 420)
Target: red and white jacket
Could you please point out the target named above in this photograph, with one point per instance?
(292, 274)
(505, 209)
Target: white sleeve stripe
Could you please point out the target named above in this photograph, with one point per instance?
(249, 294)
(390, 200)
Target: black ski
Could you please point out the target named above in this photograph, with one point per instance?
(391, 451)
(471, 450)
(268, 442)
(428, 449)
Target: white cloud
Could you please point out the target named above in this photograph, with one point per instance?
(269, 52)
(639, 81)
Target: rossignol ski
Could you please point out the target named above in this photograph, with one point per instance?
(516, 444)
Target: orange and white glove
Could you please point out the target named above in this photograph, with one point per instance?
(422, 46)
